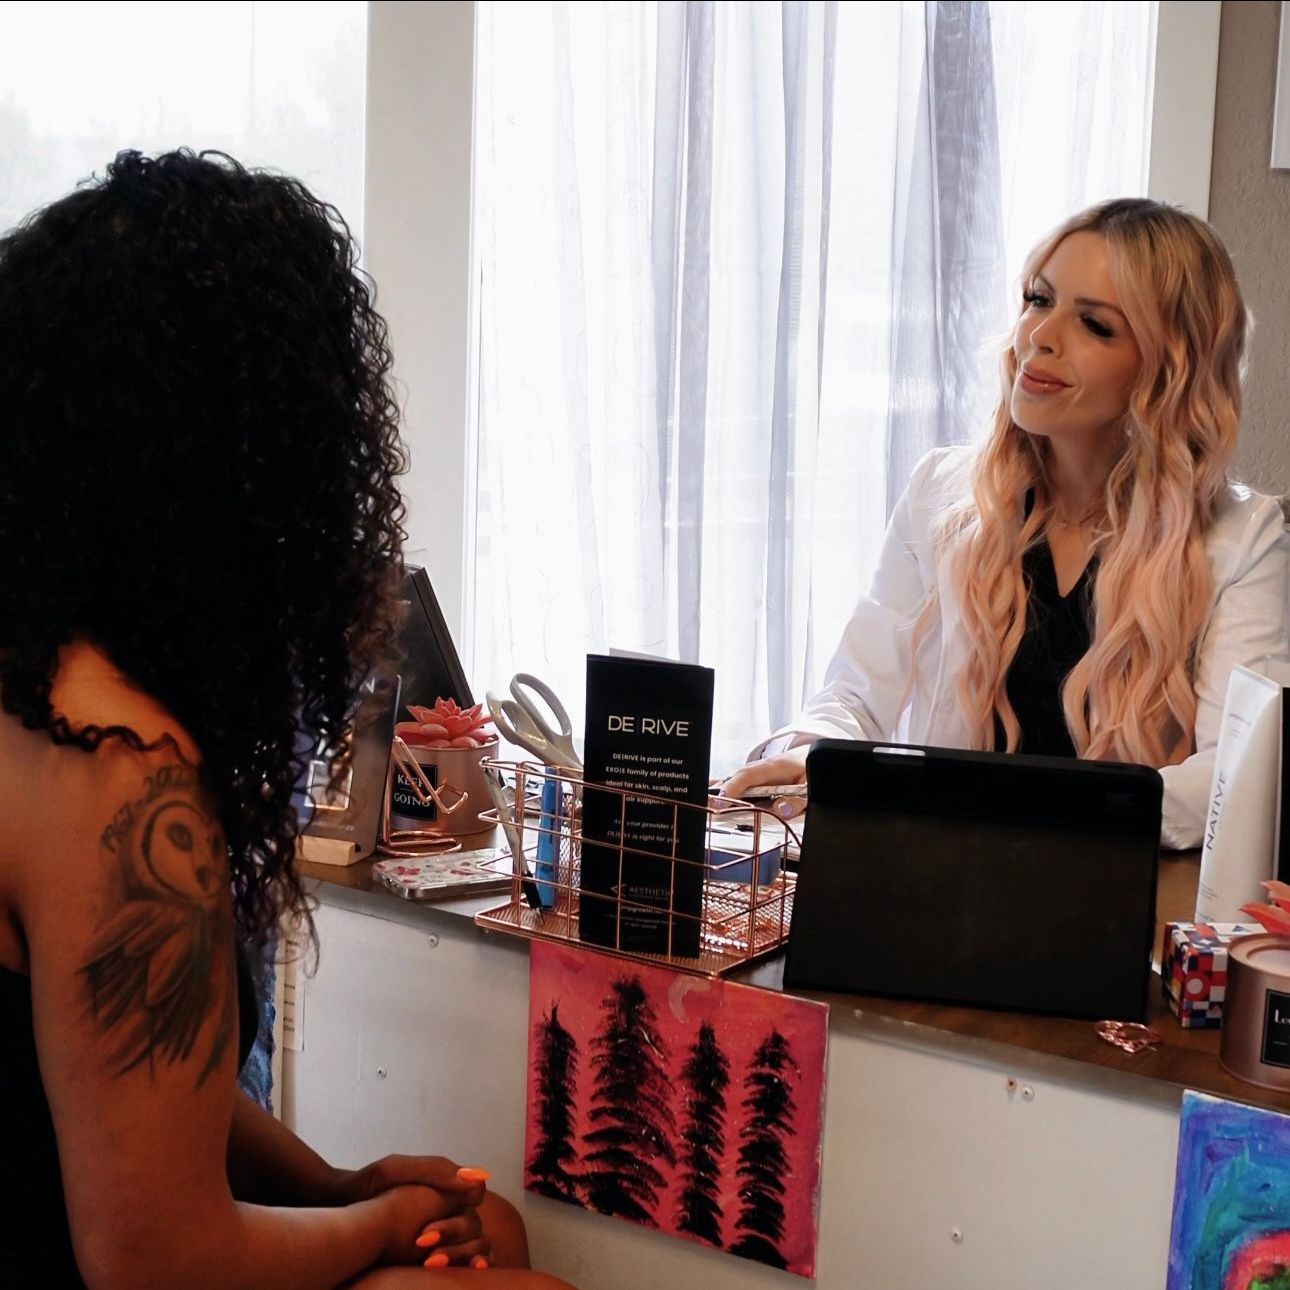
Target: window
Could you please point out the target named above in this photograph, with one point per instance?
(737, 267)
(273, 84)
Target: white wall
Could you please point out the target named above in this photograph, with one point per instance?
(420, 105)
(1250, 208)
(415, 1038)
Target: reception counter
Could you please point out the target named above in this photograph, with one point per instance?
(962, 1147)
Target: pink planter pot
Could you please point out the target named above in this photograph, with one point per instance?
(448, 769)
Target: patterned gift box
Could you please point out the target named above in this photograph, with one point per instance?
(1193, 970)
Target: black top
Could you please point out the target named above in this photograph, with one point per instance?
(35, 1243)
(1057, 637)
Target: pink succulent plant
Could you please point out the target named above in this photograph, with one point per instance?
(1276, 916)
(446, 726)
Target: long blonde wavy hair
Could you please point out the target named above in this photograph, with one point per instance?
(1131, 696)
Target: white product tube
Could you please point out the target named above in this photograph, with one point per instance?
(1238, 851)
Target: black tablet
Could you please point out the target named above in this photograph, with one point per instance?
(992, 879)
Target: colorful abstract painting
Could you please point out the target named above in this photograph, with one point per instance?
(1231, 1228)
(685, 1104)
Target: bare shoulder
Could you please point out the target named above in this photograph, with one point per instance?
(104, 820)
(119, 887)
(127, 907)
(90, 690)
(47, 786)
(80, 829)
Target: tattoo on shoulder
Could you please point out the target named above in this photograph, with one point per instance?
(172, 779)
(157, 970)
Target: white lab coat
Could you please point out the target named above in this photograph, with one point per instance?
(868, 675)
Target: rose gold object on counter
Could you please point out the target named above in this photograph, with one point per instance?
(416, 842)
(1132, 1036)
(747, 888)
(436, 768)
(1255, 1043)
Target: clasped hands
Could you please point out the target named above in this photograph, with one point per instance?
(434, 1207)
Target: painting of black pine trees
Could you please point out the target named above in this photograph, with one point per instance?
(680, 1103)
(763, 1158)
(704, 1080)
(556, 1072)
(629, 1138)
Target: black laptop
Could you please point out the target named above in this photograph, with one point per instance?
(990, 879)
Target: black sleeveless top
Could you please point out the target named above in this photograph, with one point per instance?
(35, 1243)
(1057, 636)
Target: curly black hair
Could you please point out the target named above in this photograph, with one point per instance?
(198, 452)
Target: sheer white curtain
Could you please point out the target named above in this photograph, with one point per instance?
(739, 266)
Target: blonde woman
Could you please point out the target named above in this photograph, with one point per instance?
(1084, 581)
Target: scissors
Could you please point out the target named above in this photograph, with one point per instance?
(520, 721)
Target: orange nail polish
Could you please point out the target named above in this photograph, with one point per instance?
(427, 1239)
(473, 1175)
(439, 1260)
(479, 1262)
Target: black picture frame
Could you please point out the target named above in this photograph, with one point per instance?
(431, 667)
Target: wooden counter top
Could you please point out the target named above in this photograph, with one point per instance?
(1187, 1058)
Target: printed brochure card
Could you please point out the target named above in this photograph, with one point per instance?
(649, 731)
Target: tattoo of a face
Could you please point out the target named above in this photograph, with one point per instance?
(156, 971)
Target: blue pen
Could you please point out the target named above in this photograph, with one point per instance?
(548, 843)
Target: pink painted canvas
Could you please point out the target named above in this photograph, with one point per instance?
(689, 1105)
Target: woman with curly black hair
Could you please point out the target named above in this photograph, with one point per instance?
(199, 540)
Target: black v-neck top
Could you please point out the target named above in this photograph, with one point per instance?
(1058, 634)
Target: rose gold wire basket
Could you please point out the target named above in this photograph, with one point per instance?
(747, 893)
